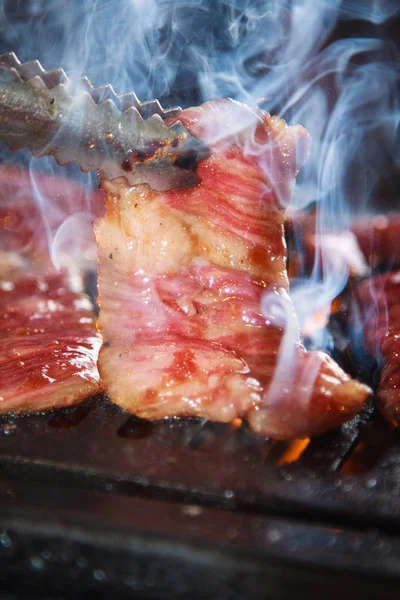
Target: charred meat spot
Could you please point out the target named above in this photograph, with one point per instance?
(106, 344)
(149, 152)
(126, 165)
(187, 161)
(140, 156)
(110, 255)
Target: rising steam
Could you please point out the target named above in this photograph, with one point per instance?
(279, 54)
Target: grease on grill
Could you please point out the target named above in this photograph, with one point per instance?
(206, 430)
(136, 428)
(68, 418)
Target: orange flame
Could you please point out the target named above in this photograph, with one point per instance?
(236, 423)
(294, 451)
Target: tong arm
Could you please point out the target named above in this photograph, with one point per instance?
(44, 112)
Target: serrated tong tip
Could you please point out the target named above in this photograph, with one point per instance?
(50, 114)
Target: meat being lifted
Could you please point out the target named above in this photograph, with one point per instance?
(193, 289)
(48, 339)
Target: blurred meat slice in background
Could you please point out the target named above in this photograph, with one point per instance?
(376, 320)
(48, 215)
(48, 339)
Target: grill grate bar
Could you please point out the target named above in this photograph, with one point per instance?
(327, 453)
(331, 451)
(98, 446)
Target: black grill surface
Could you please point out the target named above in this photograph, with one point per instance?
(95, 500)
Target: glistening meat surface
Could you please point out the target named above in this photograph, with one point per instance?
(48, 339)
(193, 289)
(379, 317)
(39, 211)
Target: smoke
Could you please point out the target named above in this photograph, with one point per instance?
(283, 55)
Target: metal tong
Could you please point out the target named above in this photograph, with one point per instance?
(75, 122)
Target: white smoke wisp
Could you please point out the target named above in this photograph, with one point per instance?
(280, 54)
(278, 308)
(74, 243)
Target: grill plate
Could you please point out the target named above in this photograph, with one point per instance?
(137, 504)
